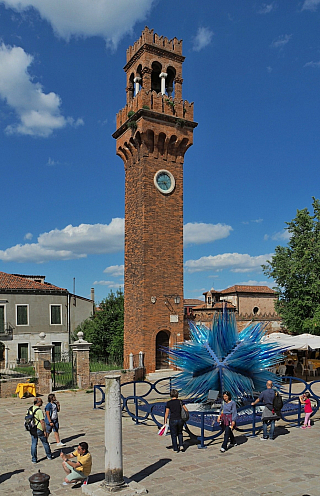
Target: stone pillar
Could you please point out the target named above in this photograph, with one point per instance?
(113, 434)
(81, 349)
(136, 85)
(6, 356)
(163, 76)
(42, 353)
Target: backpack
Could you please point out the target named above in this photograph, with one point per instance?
(277, 403)
(30, 423)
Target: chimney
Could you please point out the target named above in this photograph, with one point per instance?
(92, 294)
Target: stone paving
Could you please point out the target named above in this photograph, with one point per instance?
(289, 465)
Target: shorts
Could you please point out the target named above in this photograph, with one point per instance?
(54, 427)
(74, 475)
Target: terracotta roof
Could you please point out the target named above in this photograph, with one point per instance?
(221, 304)
(13, 282)
(189, 302)
(247, 289)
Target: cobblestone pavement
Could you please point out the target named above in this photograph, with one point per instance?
(289, 465)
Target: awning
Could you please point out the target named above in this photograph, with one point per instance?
(299, 342)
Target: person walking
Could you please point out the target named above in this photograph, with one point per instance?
(173, 407)
(39, 432)
(269, 416)
(227, 417)
(51, 418)
(305, 400)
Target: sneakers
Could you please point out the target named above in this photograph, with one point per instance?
(61, 444)
(49, 457)
(65, 483)
(308, 426)
(222, 450)
(34, 462)
(232, 445)
(303, 427)
(263, 439)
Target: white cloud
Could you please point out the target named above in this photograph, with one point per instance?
(202, 39)
(85, 18)
(28, 236)
(312, 64)
(38, 113)
(236, 262)
(69, 243)
(80, 241)
(252, 282)
(110, 284)
(86, 238)
(310, 4)
(269, 69)
(281, 41)
(280, 235)
(254, 221)
(198, 232)
(266, 8)
(115, 270)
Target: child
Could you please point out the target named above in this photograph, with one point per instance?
(305, 400)
(51, 418)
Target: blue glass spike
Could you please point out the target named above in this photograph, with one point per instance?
(219, 358)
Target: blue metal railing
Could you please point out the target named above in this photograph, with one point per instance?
(206, 420)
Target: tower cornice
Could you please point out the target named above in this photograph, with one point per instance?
(152, 116)
(155, 50)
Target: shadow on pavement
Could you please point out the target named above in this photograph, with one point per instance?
(150, 469)
(8, 475)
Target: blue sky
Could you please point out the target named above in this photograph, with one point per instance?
(253, 72)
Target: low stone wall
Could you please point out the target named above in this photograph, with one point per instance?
(98, 378)
(8, 386)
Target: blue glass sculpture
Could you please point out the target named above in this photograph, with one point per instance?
(225, 360)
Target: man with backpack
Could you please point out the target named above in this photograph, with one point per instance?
(38, 430)
(272, 410)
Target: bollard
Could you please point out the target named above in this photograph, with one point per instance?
(39, 483)
(113, 434)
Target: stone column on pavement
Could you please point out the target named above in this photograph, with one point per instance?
(81, 350)
(42, 353)
(113, 434)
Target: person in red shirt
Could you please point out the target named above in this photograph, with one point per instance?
(305, 400)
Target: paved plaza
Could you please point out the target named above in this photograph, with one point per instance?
(289, 465)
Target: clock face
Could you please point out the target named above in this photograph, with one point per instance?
(164, 181)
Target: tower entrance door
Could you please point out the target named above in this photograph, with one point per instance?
(162, 339)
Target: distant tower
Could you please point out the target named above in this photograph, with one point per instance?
(154, 130)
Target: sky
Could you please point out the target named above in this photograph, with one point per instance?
(252, 70)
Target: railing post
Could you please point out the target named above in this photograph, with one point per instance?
(254, 420)
(299, 413)
(202, 446)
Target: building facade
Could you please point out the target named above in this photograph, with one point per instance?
(28, 306)
(249, 303)
(154, 130)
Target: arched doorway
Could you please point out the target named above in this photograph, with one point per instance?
(162, 339)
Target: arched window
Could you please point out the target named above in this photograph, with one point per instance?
(155, 77)
(170, 81)
(138, 80)
(131, 86)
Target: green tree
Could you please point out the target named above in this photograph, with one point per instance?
(296, 271)
(104, 329)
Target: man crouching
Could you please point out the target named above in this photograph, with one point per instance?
(77, 464)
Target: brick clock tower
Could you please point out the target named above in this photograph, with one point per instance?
(154, 130)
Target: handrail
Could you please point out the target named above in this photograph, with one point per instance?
(201, 419)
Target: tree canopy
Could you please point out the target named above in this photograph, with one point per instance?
(296, 271)
(104, 329)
